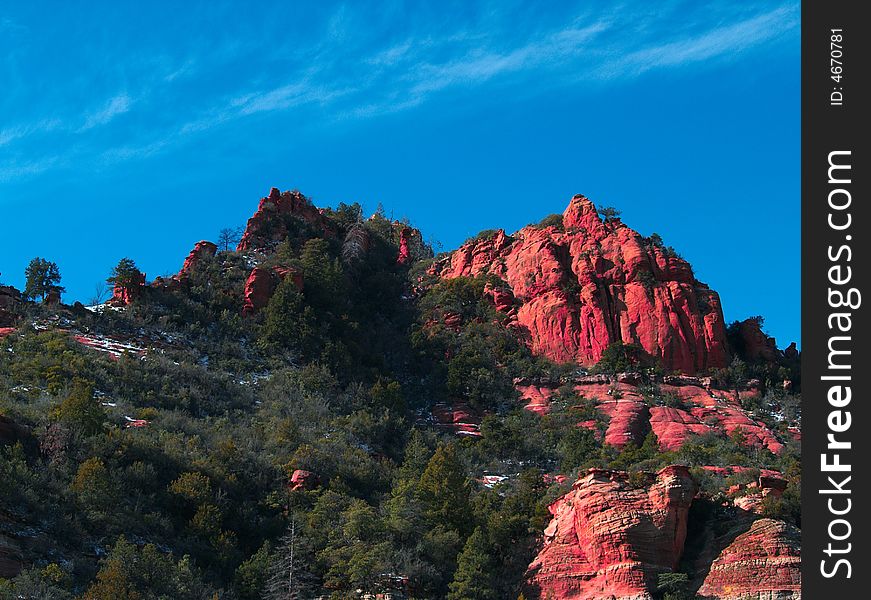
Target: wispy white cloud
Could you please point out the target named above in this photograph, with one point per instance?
(117, 105)
(481, 65)
(15, 132)
(348, 74)
(18, 170)
(728, 40)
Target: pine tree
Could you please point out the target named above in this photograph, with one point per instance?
(444, 490)
(474, 578)
(43, 279)
(124, 274)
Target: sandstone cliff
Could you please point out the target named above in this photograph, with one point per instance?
(586, 282)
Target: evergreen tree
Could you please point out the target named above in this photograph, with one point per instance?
(81, 410)
(609, 213)
(126, 276)
(43, 278)
(114, 581)
(474, 578)
(444, 490)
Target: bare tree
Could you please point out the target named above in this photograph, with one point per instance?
(101, 293)
(229, 238)
(289, 578)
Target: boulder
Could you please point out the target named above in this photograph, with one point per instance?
(12, 433)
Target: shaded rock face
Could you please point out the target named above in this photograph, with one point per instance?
(11, 562)
(201, 250)
(610, 538)
(593, 282)
(759, 562)
(12, 433)
(277, 216)
(261, 284)
(10, 299)
(756, 345)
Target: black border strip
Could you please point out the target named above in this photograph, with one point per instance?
(835, 248)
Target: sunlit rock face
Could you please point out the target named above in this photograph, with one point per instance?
(578, 286)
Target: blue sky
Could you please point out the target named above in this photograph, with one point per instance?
(139, 130)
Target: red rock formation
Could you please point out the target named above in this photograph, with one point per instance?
(458, 418)
(595, 282)
(537, 397)
(261, 284)
(703, 410)
(610, 537)
(201, 250)
(303, 480)
(404, 252)
(123, 295)
(628, 421)
(673, 426)
(763, 562)
(757, 345)
(502, 297)
(749, 497)
(269, 225)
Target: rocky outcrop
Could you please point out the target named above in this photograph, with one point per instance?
(628, 421)
(700, 408)
(279, 216)
(304, 480)
(261, 284)
(762, 562)
(614, 533)
(458, 418)
(404, 255)
(124, 295)
(10, 300)
(592, 282)
(200, 251)
(755, 345)
(611, 535)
